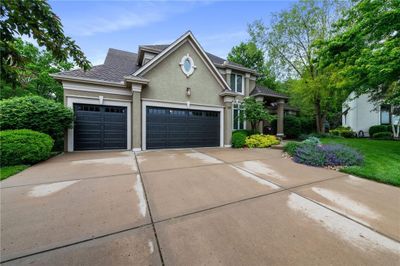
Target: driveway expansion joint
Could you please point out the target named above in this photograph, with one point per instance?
(76, 243)
(150, 214)
(66, 180)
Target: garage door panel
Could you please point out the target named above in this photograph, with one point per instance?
(179, 128)
(100, 127)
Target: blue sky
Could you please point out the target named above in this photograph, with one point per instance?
(218, 25)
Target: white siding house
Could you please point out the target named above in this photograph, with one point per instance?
(360, 114)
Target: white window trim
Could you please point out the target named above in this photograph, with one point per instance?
(234, 87)
(233, 117)
(186, 106)
(99, 101)
(192, 66)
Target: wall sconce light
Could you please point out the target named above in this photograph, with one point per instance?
(188, 91)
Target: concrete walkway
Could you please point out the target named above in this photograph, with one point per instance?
(206, 206)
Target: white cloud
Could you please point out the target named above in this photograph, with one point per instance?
(133, 15)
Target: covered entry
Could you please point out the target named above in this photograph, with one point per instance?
(99, 127)
(181, 128)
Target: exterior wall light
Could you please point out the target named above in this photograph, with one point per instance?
(188, 91)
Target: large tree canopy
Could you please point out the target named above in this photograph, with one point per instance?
(34, 77)
(366, 50)
(34, 19)
(289, 44)
(249, 55)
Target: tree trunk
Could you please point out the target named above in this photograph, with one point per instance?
(319, 118)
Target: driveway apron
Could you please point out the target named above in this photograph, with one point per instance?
(206, 206)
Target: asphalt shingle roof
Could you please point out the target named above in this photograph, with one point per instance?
(263, 91)
(116, 65)
(119, 64)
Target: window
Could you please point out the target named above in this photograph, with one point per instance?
(237, 123)
(187, 65)
(237, 83)
(385, 114)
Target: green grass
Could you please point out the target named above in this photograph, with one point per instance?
(8, 171)
(381, 159)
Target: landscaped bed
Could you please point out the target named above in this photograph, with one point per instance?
(378, 160)
(381, 159)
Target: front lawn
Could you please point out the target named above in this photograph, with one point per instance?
(381, 159)
(8, 171)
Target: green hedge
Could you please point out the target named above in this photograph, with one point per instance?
(342, 131)
(36, 113)
(24, 146)
(383, 135)
(379, 128)
(293, 126)
(239, 138)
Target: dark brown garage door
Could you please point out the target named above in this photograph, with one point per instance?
(181, 128)
(99, 127)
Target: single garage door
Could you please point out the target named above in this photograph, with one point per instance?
(181, 128)
(99, 127)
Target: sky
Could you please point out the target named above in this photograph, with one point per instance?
(217, 25)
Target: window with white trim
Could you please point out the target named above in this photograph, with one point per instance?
(385, 114)
(237, 122)
(237, 83)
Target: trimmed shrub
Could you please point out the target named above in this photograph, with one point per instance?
(239, 138)
(291, 146)
(383, 135)
(291, 126)
(36, 113)
(261, 141)
(379, 128)
(24, 146)
(345, 132)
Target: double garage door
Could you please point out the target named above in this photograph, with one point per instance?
(99, 127)
(181, 128)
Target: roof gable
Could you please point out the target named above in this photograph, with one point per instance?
(188, 36)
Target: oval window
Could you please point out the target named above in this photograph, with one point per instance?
(187, 65)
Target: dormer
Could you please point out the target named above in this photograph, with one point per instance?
(145, 54)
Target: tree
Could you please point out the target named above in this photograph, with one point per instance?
(34, 19)
(254, 112)
(34, 77)
(289, 43)
(250, 56)
(366, 51)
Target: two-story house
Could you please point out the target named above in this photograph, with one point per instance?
(163, 96)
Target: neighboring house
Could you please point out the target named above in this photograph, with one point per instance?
(165, 96)
(360, 114)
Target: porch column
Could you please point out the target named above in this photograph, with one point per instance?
(260, 128)
(247, 84)
(228, 100)
(280, 113)
(136, 117)
(228, 76)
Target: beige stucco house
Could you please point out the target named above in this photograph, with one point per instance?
(165, 96)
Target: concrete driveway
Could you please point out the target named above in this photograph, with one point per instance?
(206, 206)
